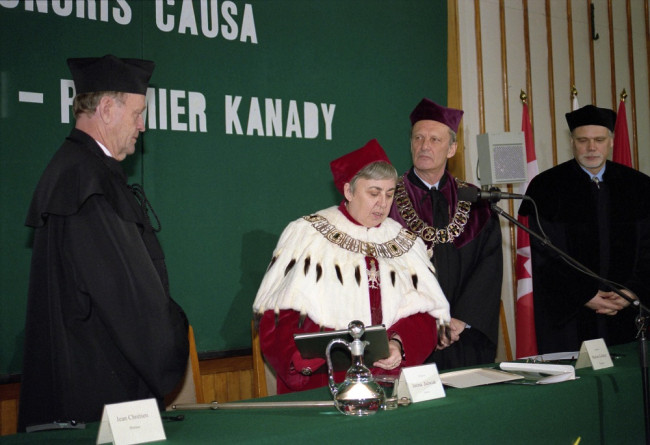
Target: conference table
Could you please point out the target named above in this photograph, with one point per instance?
(599, 407)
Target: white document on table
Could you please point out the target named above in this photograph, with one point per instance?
(542, 372)
(467, 378)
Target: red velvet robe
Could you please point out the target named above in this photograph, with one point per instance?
(417, 332)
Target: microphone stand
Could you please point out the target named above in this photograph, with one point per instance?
(641, 324)
(641, 319)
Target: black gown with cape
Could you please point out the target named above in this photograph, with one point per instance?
(101, 327)
(604, 226)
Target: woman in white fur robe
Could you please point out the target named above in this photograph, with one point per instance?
(348, 263)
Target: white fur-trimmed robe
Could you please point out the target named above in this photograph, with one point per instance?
(291, 280)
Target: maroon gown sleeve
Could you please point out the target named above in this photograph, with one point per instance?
(418, 333)
(280, 351)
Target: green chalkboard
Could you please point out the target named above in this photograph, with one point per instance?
(249, 102)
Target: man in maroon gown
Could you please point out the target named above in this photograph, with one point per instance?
(464, 240)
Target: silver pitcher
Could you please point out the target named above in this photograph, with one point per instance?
(359, 394)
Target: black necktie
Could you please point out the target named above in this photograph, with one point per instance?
(440, 208)
(441, 252)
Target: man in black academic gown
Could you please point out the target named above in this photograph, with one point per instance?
(101, 327)
(464, 239)
(596, 211)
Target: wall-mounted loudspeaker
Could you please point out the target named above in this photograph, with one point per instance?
(501, 157)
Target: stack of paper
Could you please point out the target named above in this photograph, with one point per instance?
(543, 373)
(467, 378)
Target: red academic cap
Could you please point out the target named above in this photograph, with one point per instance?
(590, 115)
(345, 167)
(431, 111)
(109, 73)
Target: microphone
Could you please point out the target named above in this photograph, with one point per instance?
(473, 194)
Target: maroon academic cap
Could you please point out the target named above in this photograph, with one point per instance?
(590, 115)
(431, 111)
(345, 167)
(109, 73)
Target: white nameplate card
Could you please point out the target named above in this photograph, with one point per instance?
(594, 353)
(131, 423)
(420, 383)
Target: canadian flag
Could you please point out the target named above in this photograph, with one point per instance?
(525, 315)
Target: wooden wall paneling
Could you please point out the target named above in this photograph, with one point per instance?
(479, 66)
(529, 84)
(222, 380)
(227, 379)
(259, 384)
(221, 387)
(8, 417)
(630, 61)
(232, 386)
(218, 365)
(245, 384)
(551, 80)
(612, 57)
(592, 65)
(506, 127)
(456, 165)
(646, 8)
(9, 395)
(207, 382)
(504, 66)
(572, 72)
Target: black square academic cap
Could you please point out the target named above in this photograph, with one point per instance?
(109, 73)
(590, 115)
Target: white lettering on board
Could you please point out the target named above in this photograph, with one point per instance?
(298, 122)
(81, 9)
(211, 18)
(186, 110)
(224, 21)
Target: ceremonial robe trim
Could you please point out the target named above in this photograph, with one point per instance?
(316, 277)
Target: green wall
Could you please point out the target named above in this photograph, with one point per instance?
(249, 102)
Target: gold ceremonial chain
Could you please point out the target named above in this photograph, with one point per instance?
(398, 246)
(425, 231)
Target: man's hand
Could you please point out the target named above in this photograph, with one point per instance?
(447, 335)
(457, 326)
(608, 303)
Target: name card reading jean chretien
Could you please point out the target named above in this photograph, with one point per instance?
(420, 383)
(131, 423)
(594, 353)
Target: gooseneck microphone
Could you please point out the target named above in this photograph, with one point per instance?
(472, 194)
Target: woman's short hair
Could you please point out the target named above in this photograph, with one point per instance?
(376, 170)
(86, 103)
